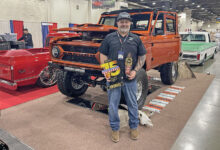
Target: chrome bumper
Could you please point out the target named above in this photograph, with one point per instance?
(8, 85)
(192, 62)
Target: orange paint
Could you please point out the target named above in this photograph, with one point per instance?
(161, 49)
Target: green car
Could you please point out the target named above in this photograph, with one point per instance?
(197, 47)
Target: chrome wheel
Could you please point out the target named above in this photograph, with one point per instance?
(139, 89)
(174, 71)
(48, 77)
(169, 73)
(142, 89)
(77, 84)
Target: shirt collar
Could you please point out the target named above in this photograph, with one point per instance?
(120, 34)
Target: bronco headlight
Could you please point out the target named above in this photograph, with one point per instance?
(55, 52)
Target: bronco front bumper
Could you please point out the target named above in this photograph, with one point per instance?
(80, 70)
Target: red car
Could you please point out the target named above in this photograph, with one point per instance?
(22, 67)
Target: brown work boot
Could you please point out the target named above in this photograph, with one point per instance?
(134, 134)
(115, 136)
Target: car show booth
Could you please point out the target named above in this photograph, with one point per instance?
(54, 94)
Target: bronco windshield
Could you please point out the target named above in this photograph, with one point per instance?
(193, 37)
(140, 22)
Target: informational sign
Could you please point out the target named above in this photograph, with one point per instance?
(112, 73)
(100, 4)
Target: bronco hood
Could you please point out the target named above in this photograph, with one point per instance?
(88, 32)
(89, 27)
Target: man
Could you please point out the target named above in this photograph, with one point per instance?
(119, 46)
(27, 38)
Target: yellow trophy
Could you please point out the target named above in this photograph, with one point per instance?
(128, 64)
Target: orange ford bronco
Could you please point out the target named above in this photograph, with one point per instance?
(78, 58)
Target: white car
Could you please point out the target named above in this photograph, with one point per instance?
(197, 47)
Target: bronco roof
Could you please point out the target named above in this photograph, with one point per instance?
(128, 11)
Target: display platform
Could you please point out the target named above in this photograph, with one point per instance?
(58, 124)
(9, 98)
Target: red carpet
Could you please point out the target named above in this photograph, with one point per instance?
(10, 98)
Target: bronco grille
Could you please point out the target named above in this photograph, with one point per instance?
(69, 48)
(82, 59)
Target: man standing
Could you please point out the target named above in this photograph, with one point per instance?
(27, 38)
(121, 46)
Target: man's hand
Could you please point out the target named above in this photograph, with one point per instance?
(102, 60)
(107, 77)
(132, 75)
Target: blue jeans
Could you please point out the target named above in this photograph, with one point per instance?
(114, 95)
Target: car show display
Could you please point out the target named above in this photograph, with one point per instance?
(21, 67)
(77, 58)
(141, 73)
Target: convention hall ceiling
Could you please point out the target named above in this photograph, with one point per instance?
(201, 9)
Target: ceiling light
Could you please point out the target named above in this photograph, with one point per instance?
(154, 3)
(202, 8)
(163, 6)
(186, 0)
(193, 3)
(198, 6)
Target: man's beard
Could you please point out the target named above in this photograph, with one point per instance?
(124, 30)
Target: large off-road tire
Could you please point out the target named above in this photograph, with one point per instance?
(142, 88)
(169, 73)
(47, 77)
(69, 85)
(104, 88)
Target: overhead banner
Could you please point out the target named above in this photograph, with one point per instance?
(17, 27)
(47, 28)
(100, 4)
(72, 25)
